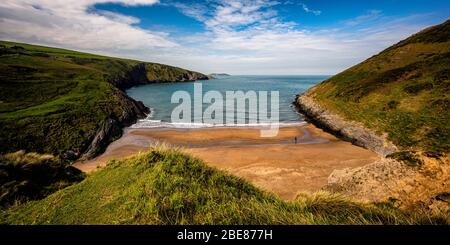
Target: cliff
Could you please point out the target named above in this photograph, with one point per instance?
(110, 129)
(69, 103)
(400, 95)
(145, 73)
(354, 132)
(396, 104)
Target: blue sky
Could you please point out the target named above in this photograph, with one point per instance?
(324, 14)
(237, 37)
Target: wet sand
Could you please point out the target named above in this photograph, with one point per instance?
(276, 164)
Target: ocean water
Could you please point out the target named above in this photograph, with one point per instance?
(158, 98)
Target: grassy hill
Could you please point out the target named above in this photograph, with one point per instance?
(55, 100)
(166, 186)
(403, 91)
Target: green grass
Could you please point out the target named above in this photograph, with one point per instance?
(403, 91)
(53, 100)
(167, 186)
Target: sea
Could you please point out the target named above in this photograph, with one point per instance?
(159, 98)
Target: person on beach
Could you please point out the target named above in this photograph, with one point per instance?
(295, 140)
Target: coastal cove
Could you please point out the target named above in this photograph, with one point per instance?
(299, 159)
(90, 139)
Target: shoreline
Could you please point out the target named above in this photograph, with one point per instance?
(150, 123)
(277, 164)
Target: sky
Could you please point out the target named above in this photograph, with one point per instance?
(247, 37)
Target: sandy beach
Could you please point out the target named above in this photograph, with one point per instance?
(277, 164)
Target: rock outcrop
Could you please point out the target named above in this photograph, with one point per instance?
(346, 130)
(192, 76)
(373, 182)
(134, 77)
(111, 128)
(145, 73)
(388, 180)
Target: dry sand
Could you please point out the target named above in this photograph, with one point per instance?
(275, 164)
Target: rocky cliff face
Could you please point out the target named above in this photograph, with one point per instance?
(111, 128)
(143, 73)
(193, 76)
(421, 188)
(157, 73)
(349, 131)
(133, 77)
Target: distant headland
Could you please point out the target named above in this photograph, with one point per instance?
(218, 75)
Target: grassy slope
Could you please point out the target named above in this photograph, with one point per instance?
(30, 176)
(404, 91)
(166, 186)
(52, 99)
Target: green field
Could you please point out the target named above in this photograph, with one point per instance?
(53, 100)
(167, 186)
(403, 91)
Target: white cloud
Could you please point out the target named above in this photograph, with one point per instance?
(249, 37)
(369, 16)
(128, 20)
(240, 37)
(193, 10)
(70, 24)
(308, 10)
(303, 6)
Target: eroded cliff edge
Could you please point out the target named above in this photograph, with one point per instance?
(130, 110)
(423, 187)
(347, 130)
(111, 128)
